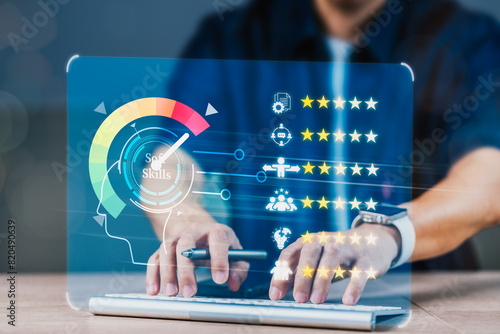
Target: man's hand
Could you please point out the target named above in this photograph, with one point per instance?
(172, 270)
(315, 258)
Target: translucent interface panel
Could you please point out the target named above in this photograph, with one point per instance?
(275, 150)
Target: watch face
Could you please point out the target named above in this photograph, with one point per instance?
(387, 210)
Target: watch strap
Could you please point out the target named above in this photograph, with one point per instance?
(408, 238)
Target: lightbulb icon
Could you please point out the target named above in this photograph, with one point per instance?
(280, 236)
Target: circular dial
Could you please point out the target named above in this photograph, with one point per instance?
(155, 170)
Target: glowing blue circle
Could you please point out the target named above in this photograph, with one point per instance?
(242, 154)
(261, 173)
(228, 194)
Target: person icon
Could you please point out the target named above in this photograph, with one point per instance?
(281, 167)
(281, 271)
(282, 204)
(293, 207)
(271, 204)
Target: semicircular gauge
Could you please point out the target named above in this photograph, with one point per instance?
(151, 153)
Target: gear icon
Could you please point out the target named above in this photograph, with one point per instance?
(278, 107)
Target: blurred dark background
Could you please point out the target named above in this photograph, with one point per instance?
(33, 102)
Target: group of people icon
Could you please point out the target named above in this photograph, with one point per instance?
(281, 204)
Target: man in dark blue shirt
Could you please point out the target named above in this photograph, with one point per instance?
(454, 55)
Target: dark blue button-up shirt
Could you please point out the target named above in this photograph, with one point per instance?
(454, 54)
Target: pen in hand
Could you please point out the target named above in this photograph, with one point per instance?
(233, 254)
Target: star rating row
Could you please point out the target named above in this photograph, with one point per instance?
(339, 272)
(338, 238)
(340, 169)
(340, 204)
(340, 103)
(339, 136)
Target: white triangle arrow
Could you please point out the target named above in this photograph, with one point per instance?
(99, 219)
(210, 110)
(101, 109)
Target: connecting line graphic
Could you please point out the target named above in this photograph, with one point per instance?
(105, 216)
(238, 154)
(260, 176)
(215, 153)
(264, 178)
(224, 194)
(205, 193)
(230, 174)
(375, 185)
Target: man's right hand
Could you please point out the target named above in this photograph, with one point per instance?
(171, 272)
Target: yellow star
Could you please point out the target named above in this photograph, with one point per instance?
(323, 272)
(339, 238)
(371, 239)
(371, 273)
(355, 204)
(323, 237)
(354, 238)
(307, 203)
(355, 272)
(307, 135)
(325, 168)
(339, 272)
(339, 135)
(339, 203)
(308, 237)
(308, 168)
(323, 203)
(323, 135)
(307, 271)
(307, 102)
(323, 103)
(356, 169)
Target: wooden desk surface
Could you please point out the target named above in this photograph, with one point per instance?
(441, 303)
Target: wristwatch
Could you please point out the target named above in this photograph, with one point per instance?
(392, 216)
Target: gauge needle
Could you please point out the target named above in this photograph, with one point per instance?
(156, 165)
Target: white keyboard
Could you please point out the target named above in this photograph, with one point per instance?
(257, 302)
(246, 311)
